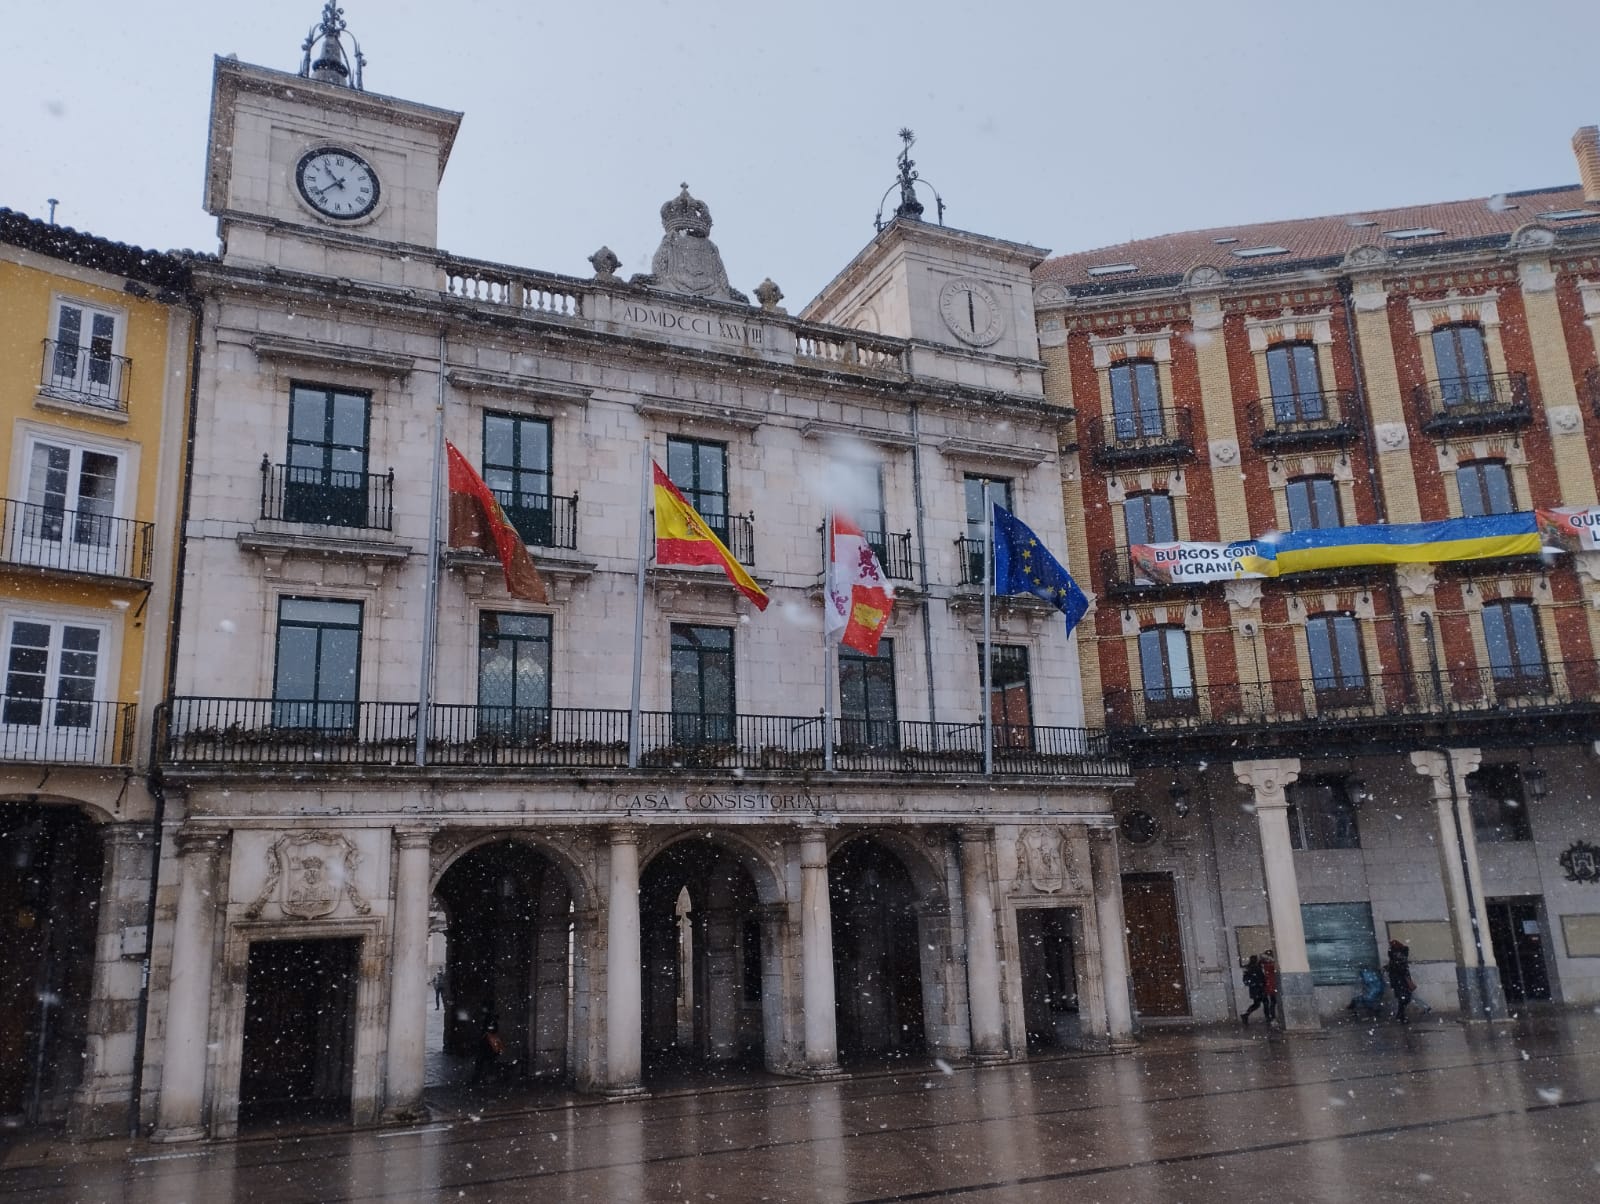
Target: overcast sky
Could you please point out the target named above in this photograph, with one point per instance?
(1067, 125)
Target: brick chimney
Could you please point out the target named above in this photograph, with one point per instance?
(1586, 145)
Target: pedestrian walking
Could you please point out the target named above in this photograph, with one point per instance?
(1398, 968)
(438, 989)
(490, 1044)
(1269, 975)
(1255, 981)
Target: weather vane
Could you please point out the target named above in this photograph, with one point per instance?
(907, 184)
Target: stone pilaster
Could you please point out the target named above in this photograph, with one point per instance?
(180, 1115)
(816, 957)
(983, 957)
(624, 988)
(408, 979)
(1268, 781)
(1106, 870)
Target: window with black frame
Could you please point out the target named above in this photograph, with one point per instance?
(325, 480)
(1166, 671)
(514, 675)
(1010, 695)
(516, 467)
(1338, 667)
(1462, 359)
(316, 678)
(1150, 518)
(867, 715)
(1499, 804)
(702, 684)
(1516, 652)
(1296, 382)
(1485, 488)
(974, 543)
(1136, 400)
(1322, 813)
(700, 471)
(1313, 503)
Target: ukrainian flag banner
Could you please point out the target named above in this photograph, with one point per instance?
(1487, 537)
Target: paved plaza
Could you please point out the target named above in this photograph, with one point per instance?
(1429, 1112)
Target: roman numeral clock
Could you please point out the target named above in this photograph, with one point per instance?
(337, 184)
(971, 312)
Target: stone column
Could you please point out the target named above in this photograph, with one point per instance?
(1106, 870)
(983, 957)
(1477, 976)
(624, 995)
(1297, 998)
(817, 999)
(180, 1113)
(408, 979)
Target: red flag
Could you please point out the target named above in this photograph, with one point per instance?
(857, 597)
(476, 521)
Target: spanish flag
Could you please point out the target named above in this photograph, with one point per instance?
(682, 537)
(476, 521)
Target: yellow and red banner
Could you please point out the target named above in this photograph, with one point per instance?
(857, 598)
(682, 537)
(477, 521)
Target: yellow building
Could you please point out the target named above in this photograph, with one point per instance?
(95, 355)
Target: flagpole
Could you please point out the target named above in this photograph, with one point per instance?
(638, 604)
(430, 618)
(988, 651)
(828, 651)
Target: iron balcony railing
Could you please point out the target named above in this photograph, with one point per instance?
(1120, 574)
(1144, 436)
(544, 520)
(1329, 418)
(970, 555)
(292, 494)
(65, 730)
(1371, 700)
(268, 732)
(86, 375)
(894, 553)
(737, 533)
(74, 541)
(1495, 401)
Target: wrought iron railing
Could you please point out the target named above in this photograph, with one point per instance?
(546, 520)
(1494, 401)
(970, 557)
(85, 375)
(293, 494)
(65, 730)
(1144, 436)
(1329, 418)
(74, 541)
(268, 732)
(737, 533)
(894, 553)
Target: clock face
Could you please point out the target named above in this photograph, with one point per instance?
(971, 312)
(337, 183)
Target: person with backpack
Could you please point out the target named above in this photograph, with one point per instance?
(1255, 981)
(1398, 968)
(1269, 976)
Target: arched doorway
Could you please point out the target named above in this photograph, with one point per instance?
(50, 870)
(703, 954)
(877, 953)
(508, 962)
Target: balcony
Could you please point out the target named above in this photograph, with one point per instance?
(1120, 574)
(262, 732)
(1305, 422)
(1466, 405)
(65, 731)
(737, 533)
(361, 500)
(894, 554)
(543, 520)
(1531, 704)
(1144, 437)
(970, 555)
(74, 541)
(85, 375)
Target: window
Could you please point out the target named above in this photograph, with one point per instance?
(1166, 671)
(319, 663)
(873, 516)
(867, 715)
(513, 674)
(1010, 704)
(1149, 518)
(1296, 382)
(977, 520)
(1485, 488)
(1338, 673)
(54, 673)
(1136, 399)
(1516, 654)
(83, 361)
(69, 517)
(700, 471)
(516, 466)
(1313, 503)
(1498, 804)
(1322, 813)
(1463, 364)
(1340, 942)
(326, 479)
(702, 684)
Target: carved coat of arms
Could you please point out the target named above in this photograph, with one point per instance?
(1042, 860)
(308, 873)
(1581, 860)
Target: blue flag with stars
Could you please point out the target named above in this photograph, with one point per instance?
(1023, 566)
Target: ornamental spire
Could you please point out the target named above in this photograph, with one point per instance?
(907, 182)
(331, 63)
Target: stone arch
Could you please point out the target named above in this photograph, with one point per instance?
(764, 873)
(926, 876)
(450, 848)
(96, 814)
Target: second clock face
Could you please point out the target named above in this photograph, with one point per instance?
(971, 312)
(337, 183)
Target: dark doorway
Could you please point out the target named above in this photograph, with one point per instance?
(299, 1030)
(1049, 976)
(508, 964)
(1517, 932)
(701, 951)
(1155, 945)
(50, 867)
(877, 953)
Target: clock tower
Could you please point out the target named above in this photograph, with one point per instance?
(309, 172)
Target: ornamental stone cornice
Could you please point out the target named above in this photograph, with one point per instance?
(331, 355)
(477, 380)
(699, 412)
(818, 428)
(997, 453)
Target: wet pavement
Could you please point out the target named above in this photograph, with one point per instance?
(1430, 1112)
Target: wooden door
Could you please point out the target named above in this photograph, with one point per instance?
(1155, 945)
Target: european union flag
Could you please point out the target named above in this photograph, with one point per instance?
(1023, 566)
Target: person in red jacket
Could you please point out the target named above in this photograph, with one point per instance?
(1269, 972)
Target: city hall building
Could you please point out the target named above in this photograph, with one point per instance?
(726, 901)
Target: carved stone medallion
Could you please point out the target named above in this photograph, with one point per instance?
(1581, 861)
(1041, 860)
(308, 873)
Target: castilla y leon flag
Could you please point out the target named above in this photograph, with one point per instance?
(682, 537)
(476, 521)
(858, 598)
